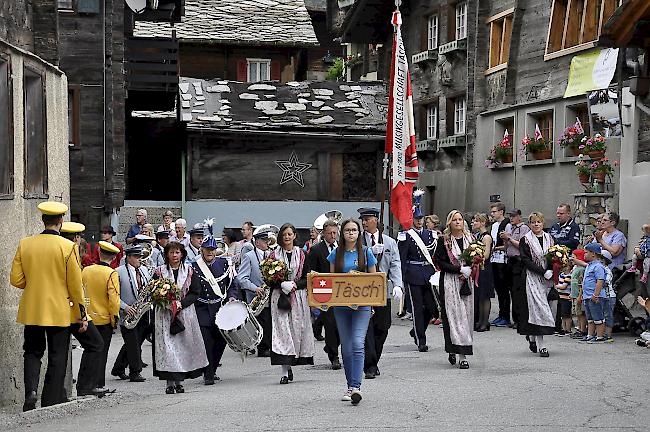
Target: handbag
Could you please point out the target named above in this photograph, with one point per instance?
(465, 290)
(553, 295)
(284, 303)
(176, 326)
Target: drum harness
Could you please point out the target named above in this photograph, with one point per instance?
(214, 282)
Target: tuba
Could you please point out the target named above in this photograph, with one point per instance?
(142, 305)
(258, 304)
(334, 215)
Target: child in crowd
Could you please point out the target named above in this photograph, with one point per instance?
(608, 307)
(644, 338)
(577, 274)
(643, 263)
(594, 295)
(563, 288)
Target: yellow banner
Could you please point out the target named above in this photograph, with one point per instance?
(591, 71)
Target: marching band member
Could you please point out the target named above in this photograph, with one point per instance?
(194, 246)
(352, 323)
(251, 282)
(385, 250)
(83, 329)
(416, 247)
(103, 289)
(107, 233)
(216, 276)
(316, 260)
(178, 349)
(48, 270)
(133, 278)
(292, 338)
(162, 238)
(456, 297)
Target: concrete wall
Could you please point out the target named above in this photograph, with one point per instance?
(21, 215)
(634, 204)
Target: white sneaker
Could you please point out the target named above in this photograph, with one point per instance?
(347, 396)
(408, 316)
(355, 396)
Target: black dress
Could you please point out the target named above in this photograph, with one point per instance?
(485, 288)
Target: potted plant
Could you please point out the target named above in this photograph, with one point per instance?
(594, 146)
(601, 169)
(583, 169)
(572, 138)
(539, 148)
(501, 153)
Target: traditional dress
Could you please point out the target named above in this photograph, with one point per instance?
(182, 355)
(535, 315)
(457, 312)
(292, 339)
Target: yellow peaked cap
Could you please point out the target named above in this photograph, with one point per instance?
(72, 227)
(108, 247)
(52, 208)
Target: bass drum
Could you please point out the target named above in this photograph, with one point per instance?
(239, 327)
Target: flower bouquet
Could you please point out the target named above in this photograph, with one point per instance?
(164, 294)
(274, 271)
(474, 256)
(557, 257)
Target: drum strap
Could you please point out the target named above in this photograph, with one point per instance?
(209, 277)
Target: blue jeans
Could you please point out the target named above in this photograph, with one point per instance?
(609, 311)
(352, 326)
(595, 310)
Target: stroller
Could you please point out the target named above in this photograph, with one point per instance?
(628, 313)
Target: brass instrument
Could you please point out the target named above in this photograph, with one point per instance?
(334, 215)
(142, 305)
(258, 303)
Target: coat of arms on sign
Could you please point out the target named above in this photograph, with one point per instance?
(292, 169)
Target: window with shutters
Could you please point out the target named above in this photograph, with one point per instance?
(461, 20)
(258, 70)
(459, 116)
(432, 32)
(6, 130)
(576, 24)
(35, 134)
(544, 120)
(432, 121)
(500, 33)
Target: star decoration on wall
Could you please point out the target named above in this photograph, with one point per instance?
(292, 169)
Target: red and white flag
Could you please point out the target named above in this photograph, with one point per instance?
(400, 131)
(578, 126)
(322, 289)
(505, 134)
(538, 133)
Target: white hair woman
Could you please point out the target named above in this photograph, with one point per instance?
(456, 290)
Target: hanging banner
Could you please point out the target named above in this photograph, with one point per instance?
(591, 71)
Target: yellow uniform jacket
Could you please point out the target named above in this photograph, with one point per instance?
(103, 289)
(47, 268)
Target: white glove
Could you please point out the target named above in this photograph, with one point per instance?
(377, 248)
(397, 292)
(286, 286)
(466, 271)
(548, 274)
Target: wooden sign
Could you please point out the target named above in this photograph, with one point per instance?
(346, 289)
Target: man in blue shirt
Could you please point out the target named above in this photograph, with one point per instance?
(565, 231)
(594, 294)
(136, 228)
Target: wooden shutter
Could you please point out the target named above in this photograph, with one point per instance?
(423, 122)
(424, 33)
(276, 71)
(242, 70)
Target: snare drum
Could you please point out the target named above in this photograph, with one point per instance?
(239, 327)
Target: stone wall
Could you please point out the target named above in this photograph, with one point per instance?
(587, 207)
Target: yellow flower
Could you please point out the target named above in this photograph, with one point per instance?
(271, 271)
(166, 286)
(558, 254)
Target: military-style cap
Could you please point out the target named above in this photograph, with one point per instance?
(368, 211)
(197, 229)
(108, 247)
(52, 208)
(162, 233)
(144, 238)
(108, 229)
(72, 227)
(134, 250)
(266, 231)
(514, 211)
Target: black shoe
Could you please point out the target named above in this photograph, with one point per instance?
(290, 375)
(264, 353)
(137, 378)
(92, 392)
(30, 401)
(249, 352)
(120, 374)
(319, 337)
(464, 364)
(370, 375)
(481, 329)
(336, 364)
(377, 372)
(452, 359)
(543, 352)
(423, 348)
(144, 365)
(284, 380)
(412, 334)
(169, 390)
(208, 381)
(179, 388)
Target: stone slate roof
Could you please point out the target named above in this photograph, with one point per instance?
(352, 107)
(240, 22)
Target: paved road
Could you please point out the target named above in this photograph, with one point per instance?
(580, 387)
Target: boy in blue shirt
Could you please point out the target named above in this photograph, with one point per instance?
(594, 294)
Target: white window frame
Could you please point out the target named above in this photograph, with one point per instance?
(459, 116)
(260, 63)
(461, 20)
(432, 32)
(432, 121)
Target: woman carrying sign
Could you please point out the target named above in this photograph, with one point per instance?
(352, 322)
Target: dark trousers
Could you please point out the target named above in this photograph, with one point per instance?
(317, 324)
(264, 318)
(332, 340)
(93, 345)
(131, 352)
(106, 332)
(424, 308)
(502, 285)
(376, 336)
(215, 345)
(58, 344)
